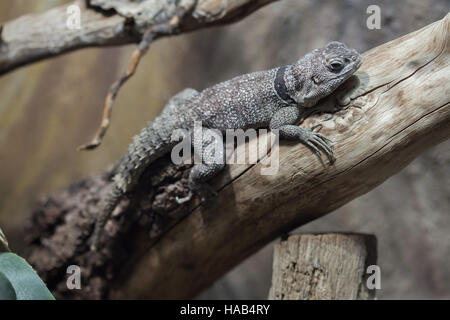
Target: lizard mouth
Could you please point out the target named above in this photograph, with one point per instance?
(359, 64)
(351, 71)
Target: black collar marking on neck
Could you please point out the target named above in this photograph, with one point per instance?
(280, 86)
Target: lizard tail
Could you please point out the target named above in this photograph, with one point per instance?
(110, 203)
(150, 144)
(146, 147)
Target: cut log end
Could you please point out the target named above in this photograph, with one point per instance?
(323, 267)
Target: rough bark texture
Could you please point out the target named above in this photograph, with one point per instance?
(61, 225)
(323, 267)
(176, 252)
(34, 37)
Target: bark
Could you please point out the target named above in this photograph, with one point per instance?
(323, 267)
(103, 23)
(155, 249)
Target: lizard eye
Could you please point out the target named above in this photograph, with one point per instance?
(335, 64)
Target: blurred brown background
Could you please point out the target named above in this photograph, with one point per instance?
(49, 108)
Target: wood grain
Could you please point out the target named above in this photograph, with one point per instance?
(323, 267)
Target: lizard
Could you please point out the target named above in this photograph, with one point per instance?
(270, 99)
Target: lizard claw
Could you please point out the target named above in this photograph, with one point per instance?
(184, 199)
(316, 141)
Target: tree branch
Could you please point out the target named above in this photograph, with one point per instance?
(155, 249)
(103, 23)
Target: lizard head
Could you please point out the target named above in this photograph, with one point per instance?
(327, 68)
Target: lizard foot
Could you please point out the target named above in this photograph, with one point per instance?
(316, 142)
(205, 192)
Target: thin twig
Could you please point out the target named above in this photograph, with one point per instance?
(3, 242)
(1, 35)
(151, 33)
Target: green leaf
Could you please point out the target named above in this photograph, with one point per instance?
(25, 281)
(6, 289)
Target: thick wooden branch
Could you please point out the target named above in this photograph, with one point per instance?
(103, 23)
(323, 267)
(400, 106)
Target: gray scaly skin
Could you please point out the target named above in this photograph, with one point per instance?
(267, 99)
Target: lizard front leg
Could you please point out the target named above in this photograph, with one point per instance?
(284, 120)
